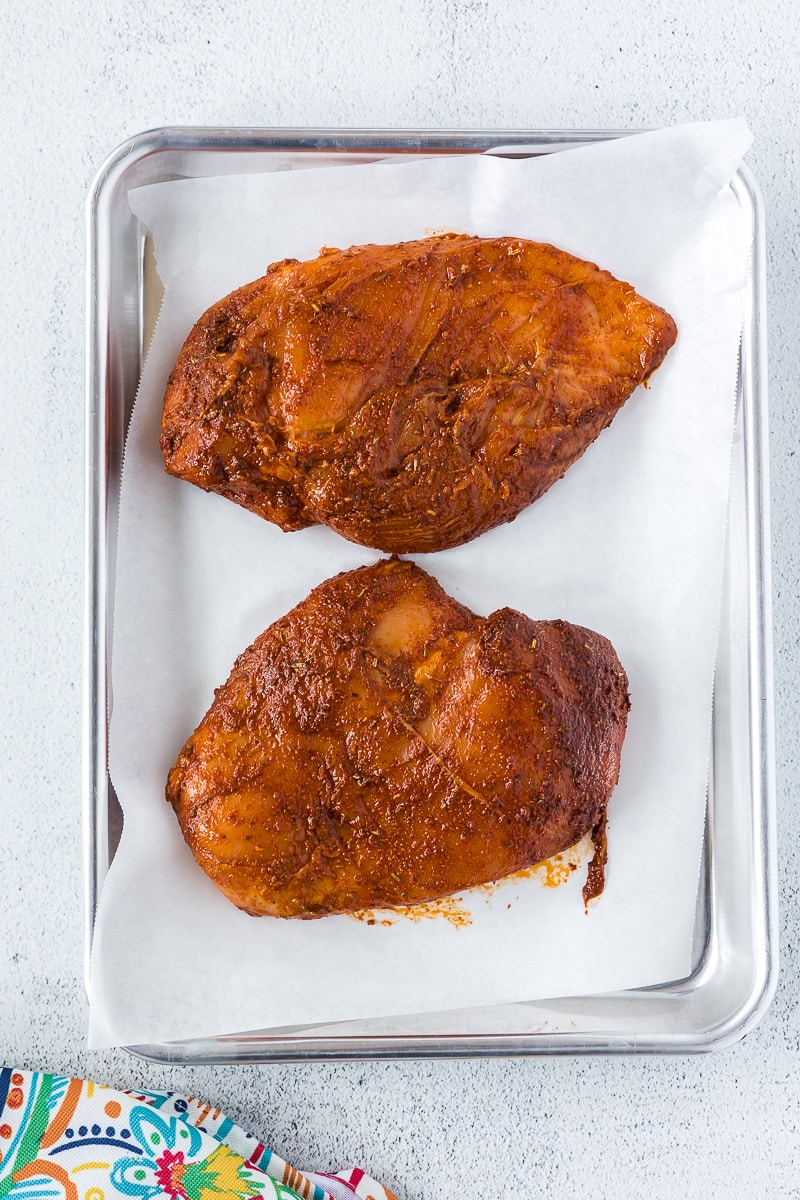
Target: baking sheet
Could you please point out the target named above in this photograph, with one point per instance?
(635, 528)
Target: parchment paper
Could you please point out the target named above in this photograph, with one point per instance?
(629, 543)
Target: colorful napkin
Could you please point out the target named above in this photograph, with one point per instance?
(70, 1139)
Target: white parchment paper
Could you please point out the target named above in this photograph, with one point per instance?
(629, 543)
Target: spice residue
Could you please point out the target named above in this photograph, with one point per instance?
(448, 907)
(551, 874)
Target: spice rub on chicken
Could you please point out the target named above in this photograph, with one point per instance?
(409, 396)
(381, 745)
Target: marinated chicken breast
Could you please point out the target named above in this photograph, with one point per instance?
(409, 396)
(381, 745)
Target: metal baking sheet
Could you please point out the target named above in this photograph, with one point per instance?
(735, 951)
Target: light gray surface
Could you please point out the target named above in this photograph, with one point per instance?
(72, 86)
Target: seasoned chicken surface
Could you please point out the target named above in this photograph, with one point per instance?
(381, 745)
(409, 396)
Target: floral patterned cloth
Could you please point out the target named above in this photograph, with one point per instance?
(69, 1139)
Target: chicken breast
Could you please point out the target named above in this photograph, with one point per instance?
(380, 745)
(409, 396)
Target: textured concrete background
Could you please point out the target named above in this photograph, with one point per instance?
(75, 80)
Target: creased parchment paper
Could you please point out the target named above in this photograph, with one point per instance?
(629, 543)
